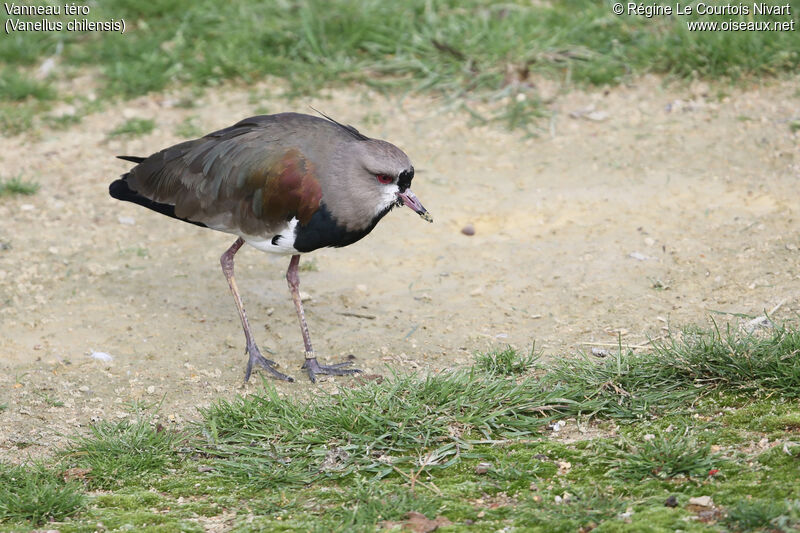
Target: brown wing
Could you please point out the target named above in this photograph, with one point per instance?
(236, 179)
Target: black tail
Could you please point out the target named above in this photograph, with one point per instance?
(131, 158)
(119, 189)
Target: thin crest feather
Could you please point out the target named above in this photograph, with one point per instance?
(347, 127)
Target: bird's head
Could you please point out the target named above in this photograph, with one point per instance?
(387, 170)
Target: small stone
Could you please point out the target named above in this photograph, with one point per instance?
(597, 116)
(151, 389)
(468, 230)
(482, 468)
(101, 356)
(46, 68)
(304, 296)
(702, 501)
(600, 352)
(672, 501)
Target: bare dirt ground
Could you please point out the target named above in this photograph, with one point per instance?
(664, 207)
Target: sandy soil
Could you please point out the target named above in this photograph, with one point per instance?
(662, 207)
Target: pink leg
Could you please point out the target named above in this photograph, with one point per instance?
(255, 357)
(311, 364)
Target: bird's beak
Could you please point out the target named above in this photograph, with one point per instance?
(409, 199)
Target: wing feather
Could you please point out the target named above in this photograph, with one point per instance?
(240, 179)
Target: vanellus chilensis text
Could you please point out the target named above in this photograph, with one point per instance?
(284, 184)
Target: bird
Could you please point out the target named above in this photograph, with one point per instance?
(286, 184)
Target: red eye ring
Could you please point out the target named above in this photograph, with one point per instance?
(383, 178)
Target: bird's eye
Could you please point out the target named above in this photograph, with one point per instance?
(383, 178)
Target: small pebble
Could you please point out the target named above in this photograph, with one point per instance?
(702, 501)
(468, 230)
(101, 356)
(599, 352)
(672, 501)
(482, 468)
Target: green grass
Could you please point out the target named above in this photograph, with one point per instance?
(17, 87)
(63, 122)
(189, 129)
(471, 49)
(749, 515)
(505, 362)
(309, 265)
(17, 186)
(17, 118)
(34, 494)
(134, 127)
(678, 422)
(123, 452)
(661, 455)
(50, 401)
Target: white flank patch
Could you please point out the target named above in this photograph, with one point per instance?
(284, 245)
(101, 356)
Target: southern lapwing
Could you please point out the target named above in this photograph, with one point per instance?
(284, 184)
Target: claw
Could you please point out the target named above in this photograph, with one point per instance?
(313, 367)
(257, 359)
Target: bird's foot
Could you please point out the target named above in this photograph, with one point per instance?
(314, 368)
(257, 359)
